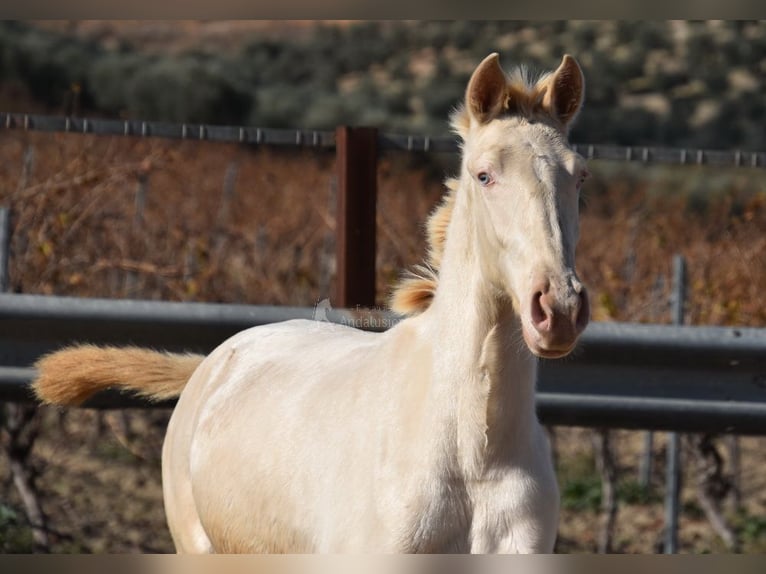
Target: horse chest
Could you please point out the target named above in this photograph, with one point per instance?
(499, 515)
(441, 523)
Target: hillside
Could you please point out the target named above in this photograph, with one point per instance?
(680, 83)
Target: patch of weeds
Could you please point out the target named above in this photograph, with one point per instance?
(15, 535)
(631, 491)
(580, 484)
(72, 547)
(581, 487)
(113, 451)
(751, 532)
(692, 510)
(582, 493)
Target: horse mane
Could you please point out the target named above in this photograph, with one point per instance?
(415, 290)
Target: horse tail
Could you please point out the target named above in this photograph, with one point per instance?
(72, 375)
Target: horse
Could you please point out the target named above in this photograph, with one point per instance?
(313, 437)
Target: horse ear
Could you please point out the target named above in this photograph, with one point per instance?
(486, 92)
(565, 91)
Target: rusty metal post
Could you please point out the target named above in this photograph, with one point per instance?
(5, 249)
(357, 165)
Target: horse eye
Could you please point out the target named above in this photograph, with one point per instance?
(584, 174)
(484, 178)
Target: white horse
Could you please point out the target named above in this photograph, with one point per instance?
(314, 437)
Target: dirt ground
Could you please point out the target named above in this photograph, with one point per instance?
(100, 488)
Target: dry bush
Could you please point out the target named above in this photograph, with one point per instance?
(636, 221)
(117, 217)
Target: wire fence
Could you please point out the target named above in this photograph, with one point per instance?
(326, 139)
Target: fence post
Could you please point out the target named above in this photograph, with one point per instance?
(673, 469)
(645, 465)
(5, 243)
(357, 167)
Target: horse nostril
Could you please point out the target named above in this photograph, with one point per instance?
(552, 318)
(583, 312)
(541, 311)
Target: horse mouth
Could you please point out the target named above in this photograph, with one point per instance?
(545, 348)
(551, 353)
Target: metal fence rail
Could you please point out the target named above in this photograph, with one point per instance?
(326, 139)
(167, 130)
(693, 379)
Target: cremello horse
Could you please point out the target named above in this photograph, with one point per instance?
(313, 437)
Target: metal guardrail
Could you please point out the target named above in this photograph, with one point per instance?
(621, 375)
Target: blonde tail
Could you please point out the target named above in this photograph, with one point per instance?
(72, 375)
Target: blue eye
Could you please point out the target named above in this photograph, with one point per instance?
(584, 174)
(484, 178)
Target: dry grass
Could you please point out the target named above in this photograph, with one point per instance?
(118, 217)
(638, 219)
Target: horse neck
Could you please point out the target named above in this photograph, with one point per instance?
(480, 358)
